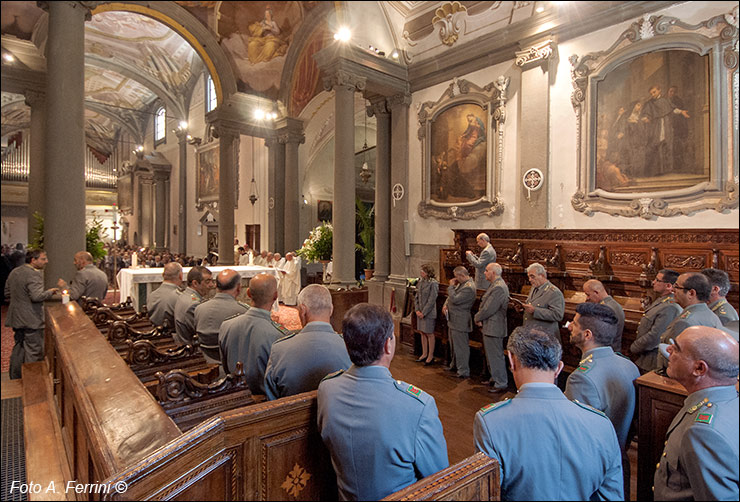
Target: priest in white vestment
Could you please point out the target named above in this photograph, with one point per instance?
(290, 280)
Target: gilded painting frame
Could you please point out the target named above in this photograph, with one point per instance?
(462, 147)
(644, 149)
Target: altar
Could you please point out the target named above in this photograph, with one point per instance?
(137, 283)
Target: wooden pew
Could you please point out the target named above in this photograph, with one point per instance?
(272, 451)
(112, 429)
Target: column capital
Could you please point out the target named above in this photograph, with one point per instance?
(87, 6)
(378, 106)
(343, 78)
(399, 99)
(224, 131)
(34, 97)
(272, 142)
(182, 135)
(286, 137)
(535, 54)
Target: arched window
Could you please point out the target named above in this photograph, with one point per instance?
(159, 126)
(210, 94)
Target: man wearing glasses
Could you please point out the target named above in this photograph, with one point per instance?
(654, 322)
(692, 291)
(700, 458)
(200, 282)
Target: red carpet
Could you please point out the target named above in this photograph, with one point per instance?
(288, 317)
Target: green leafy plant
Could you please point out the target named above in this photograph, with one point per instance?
(318, 246)
(366, 226)
(37, 240)
(93, 239)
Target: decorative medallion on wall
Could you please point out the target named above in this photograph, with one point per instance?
(652, 140)
(461, 174)
(451, 20)
(295, 481)
(533, 180)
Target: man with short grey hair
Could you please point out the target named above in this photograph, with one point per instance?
(199, 283)
(487, 255)
(299, 361)
(596, 293)
(460, 299)
(160, 304)
(89, 281)
(548, 448)
(491, 317)
(720, 283)
(700, 458)
(545, 306)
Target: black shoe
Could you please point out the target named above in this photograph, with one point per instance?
(497, 390)
(450, 368)
(462, 377)
(420, 359)
(428, 363)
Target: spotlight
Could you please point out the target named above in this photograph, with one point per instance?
(343, 35)
(8, 57)
(259, 114)
(394, 54)
(183, 125)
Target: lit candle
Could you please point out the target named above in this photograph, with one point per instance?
(65, 296)
(134, 260)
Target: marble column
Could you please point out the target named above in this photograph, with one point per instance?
(276, 192)
(226, 201)
(160, 208)
(182, 193)
(534, 96)
(382, 115)
(36, 192)
(292, 199)
(64, 201)
(399, 105)
(344, 85)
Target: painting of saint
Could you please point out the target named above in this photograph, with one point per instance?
(653, 133)
(208, 174)
(459, 155)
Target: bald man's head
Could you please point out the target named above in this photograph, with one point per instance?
(704, 357)
(227, 280)
(263, 290)
(82, 259)
(595, 291)
(172, 272)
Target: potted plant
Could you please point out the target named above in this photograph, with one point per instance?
(318, 246)
(366, 228)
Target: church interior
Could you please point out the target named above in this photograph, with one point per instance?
(599, 139)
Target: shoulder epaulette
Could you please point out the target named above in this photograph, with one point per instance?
(621, 355)
(494, 406)
(233, 316)
(244, 305)
(332, 375)
(285, 331)
(686, 313)
(409, 389)
(590, 408)
(584, 366)
(287, 337)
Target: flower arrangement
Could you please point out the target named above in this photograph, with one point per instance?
(318, 246)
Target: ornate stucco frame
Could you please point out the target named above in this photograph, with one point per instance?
(717, 38)
(492, 98)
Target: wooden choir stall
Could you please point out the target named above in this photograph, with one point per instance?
(90, 417)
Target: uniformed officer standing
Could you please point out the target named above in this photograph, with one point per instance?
(549, 448)
(25, 289)
(603, 379)
(89, 280)
(692, 293)
(382, 434)
(654, 322)
(488, 255)
(248, 337)
(596, 293)
(199, 283)
(720, 283)
(545, 306)
(210, 314)
(160, 304)
(700, 459)
(460, 299)
(491, 317)
(298, 362)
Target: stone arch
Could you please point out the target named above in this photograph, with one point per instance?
(193, 31)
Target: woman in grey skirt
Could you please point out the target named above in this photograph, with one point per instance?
(425, 303)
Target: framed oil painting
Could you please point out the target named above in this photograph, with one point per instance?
(651, 123)
(207, 173)
(324, 210)
(462, 141)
